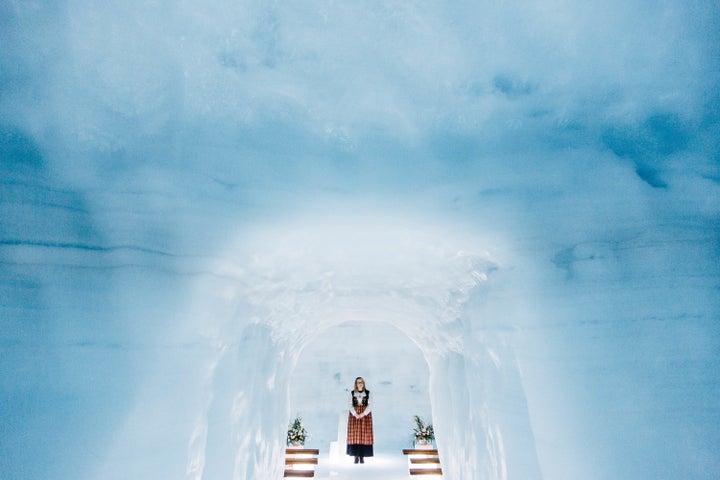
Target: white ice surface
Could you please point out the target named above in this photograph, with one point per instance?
(385, 466)
(511, 207)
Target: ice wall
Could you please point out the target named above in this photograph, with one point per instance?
(157, 159)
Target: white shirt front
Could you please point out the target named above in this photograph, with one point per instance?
(359, 398)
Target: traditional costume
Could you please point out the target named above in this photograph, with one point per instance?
(360, 427)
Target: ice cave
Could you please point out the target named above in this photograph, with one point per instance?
(503, 215)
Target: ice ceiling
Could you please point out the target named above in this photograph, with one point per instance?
(192, 193)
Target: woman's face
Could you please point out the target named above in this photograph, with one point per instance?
(360, 384)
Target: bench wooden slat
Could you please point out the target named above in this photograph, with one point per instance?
(299, 473)
(305, 451)
(415, 451)
(301, 461)
(426, 471)
(433, 460)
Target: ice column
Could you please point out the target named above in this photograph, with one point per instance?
(246, 432)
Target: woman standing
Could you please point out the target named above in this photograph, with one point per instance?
(360, 427)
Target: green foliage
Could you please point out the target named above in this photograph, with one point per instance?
(296, 432)
(422, 431)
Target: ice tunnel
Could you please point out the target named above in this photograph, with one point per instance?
(282, 292)
(197, 197)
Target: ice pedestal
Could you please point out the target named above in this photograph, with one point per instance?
(338, 447)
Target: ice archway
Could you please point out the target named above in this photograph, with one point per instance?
(288, 285)
(326, 370)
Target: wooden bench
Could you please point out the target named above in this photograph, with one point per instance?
(423, 461)
(300, 462)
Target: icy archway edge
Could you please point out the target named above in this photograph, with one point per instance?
(283, 286)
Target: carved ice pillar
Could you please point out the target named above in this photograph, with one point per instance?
(247, 422)
(458, 425)
(480, 415)
(509, 441)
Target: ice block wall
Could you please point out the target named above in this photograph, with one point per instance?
(192, 194)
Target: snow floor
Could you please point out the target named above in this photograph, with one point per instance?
(382, 466)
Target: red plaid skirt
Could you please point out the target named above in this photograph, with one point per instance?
(360, 430)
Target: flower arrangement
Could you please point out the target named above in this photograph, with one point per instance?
(297, 434)
(423, 433)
